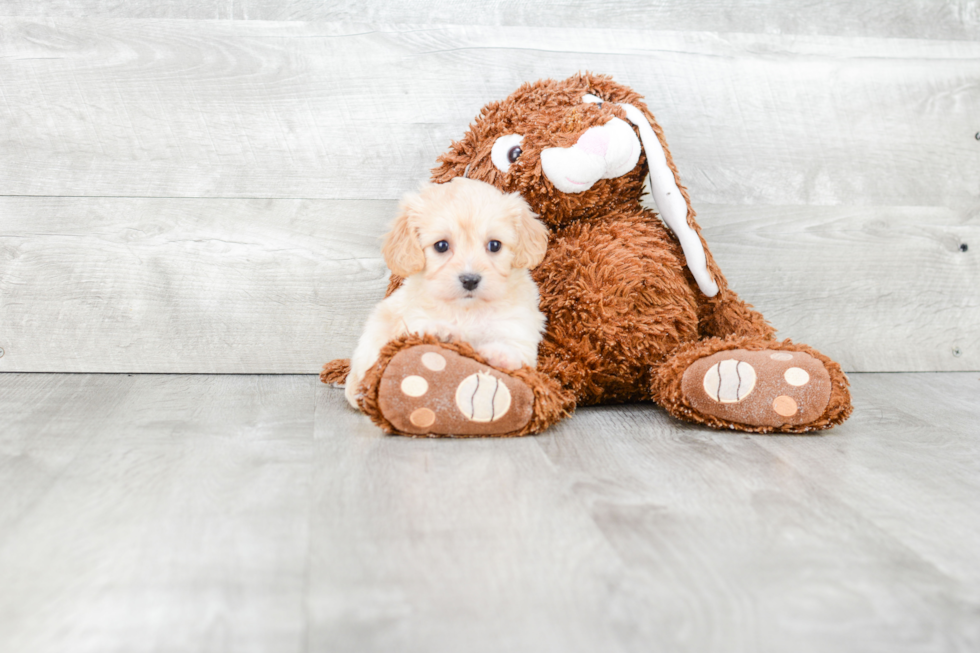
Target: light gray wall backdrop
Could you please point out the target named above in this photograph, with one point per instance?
(201, 187)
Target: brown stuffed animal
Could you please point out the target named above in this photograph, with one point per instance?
(637, 308)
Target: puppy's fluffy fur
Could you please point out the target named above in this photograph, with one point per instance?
(498, 315)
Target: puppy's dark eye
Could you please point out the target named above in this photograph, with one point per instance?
(494, 246)
(442, 246)
(514, 153)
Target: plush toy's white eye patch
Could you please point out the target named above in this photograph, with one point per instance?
(506, 151)
(588, 97)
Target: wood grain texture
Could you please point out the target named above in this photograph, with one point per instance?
(127, 107)
(473, 546)
(282, 286)
(260, 513)
(154, 513)
(835, 542)
(948, 19)
(876, 288)
(150, 285)
(207, 195)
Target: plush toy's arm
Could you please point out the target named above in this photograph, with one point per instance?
(335, 372)
(726, 314)
(394, 283)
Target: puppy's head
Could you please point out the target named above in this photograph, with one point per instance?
(462, 239)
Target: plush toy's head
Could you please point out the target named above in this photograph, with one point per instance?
(575, 149)
(568, 147)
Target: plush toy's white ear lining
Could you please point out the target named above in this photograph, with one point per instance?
(670, 202)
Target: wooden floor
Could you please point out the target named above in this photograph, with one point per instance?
(258, 513)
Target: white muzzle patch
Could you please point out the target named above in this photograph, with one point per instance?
(605, 152)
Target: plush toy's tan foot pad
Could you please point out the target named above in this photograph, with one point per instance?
(758, 388)
(428, 390)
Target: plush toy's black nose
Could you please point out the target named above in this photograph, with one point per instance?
(470, 281)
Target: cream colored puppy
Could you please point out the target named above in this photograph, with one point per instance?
(464, 250)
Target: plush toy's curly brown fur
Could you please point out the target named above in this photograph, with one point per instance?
(667, 386)
(551, 402)
(625, 315)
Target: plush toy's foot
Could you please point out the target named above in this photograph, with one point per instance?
(424, 387)
(429, 390)
(762, 386)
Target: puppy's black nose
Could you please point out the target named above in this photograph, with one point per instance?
(470, 281)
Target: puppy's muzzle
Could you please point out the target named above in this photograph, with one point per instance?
(469, 281)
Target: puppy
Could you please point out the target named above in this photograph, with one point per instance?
(464, 250)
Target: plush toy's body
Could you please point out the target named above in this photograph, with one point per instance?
(636, 311)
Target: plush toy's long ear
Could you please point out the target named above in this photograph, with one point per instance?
(532, 235)
(672, 202)
(402, 250)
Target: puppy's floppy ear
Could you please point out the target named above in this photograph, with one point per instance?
(402, 250)
(532, 235)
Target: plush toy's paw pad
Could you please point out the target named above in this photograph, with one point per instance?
(758, 388)
(429, 390)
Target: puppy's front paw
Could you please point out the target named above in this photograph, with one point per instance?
(501, 356)
(445, 331)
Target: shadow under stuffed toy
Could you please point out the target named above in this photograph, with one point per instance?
(637, 308)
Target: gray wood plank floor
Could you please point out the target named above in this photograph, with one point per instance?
(259, 513)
